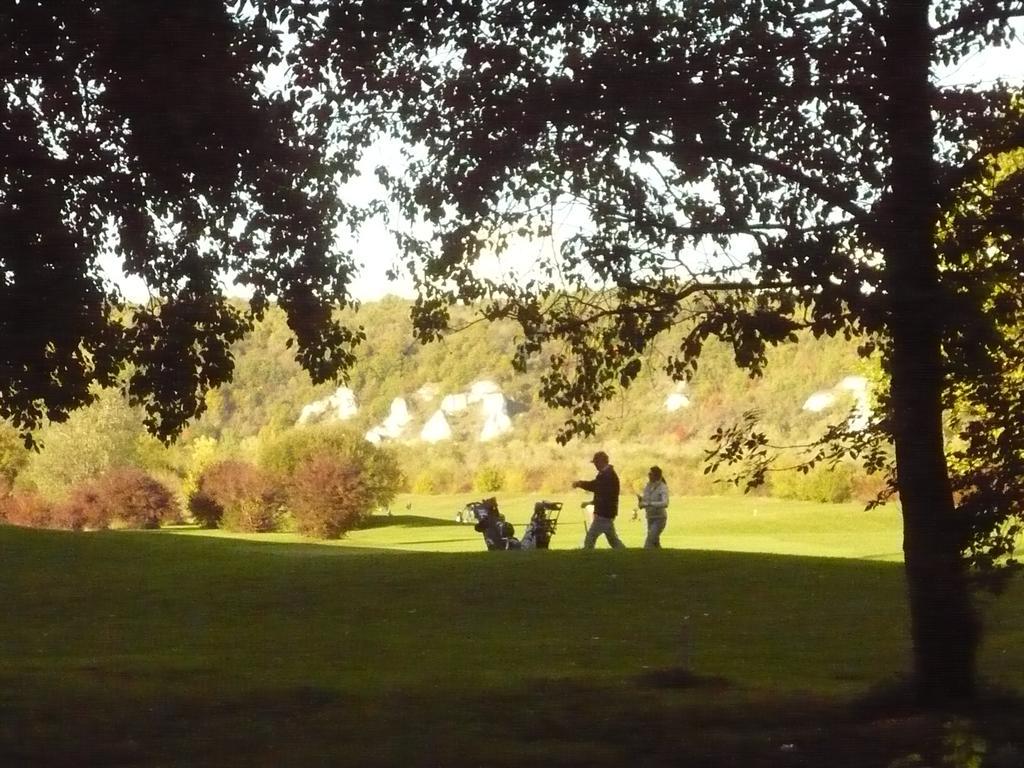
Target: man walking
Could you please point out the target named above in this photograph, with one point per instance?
(605, 488)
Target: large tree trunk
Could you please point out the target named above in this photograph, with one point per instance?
(944, 626)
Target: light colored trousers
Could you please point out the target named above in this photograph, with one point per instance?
(654, 528)
(602, 525)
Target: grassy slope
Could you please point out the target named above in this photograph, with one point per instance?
(152, 649)
(740, 524)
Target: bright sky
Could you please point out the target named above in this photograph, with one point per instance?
(376, 252)
(372, 284)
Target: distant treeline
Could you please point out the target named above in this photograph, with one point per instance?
(269, 389)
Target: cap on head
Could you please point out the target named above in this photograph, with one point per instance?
(600, 458)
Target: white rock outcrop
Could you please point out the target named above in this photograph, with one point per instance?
(312, 411)
(819, 401)
(455, 403)
(436, 429)
(481, 389)
(428, 393)
(855, 386)
(858, 387)
(496, 421)
(394, 426)
(483, 408)
(677, 399)
(341, 406)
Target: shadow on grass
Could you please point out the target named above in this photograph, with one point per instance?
(692, 721)
(195, 538)
(889, 556)
(681, 678)
(437, 541)
(407, 521)
(897, 698)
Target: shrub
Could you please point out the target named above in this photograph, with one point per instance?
(867, 488)
(14, 456)
(200, 454)
(106, 434)
(440, 478)
(458, 482)
(258, 511)
(832, 485)
(26, 509)
(558, 478)
(786, 484)
(84, 507)
(824, 484)
(534, 479)
(633, 477)
(137, 499)
(237, 496)
(518, 480)
(204, 509)
(425, 483)
(688, 479)
(489, 479)
(328, 497)
(67, 515)
(282, 454)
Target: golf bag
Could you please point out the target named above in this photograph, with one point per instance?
(498, 533)
(542, 525)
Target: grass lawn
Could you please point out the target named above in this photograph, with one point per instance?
(408, 645)
(740, 524)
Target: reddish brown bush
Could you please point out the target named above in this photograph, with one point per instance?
(237, 496)
(204, 509)
(867, 488)
(84, 507)
(136, 499)
(27, 509)
(327, 496)
(67, 515)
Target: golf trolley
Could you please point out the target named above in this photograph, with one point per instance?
(498, 533)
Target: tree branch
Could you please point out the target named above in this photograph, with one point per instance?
(973, 15)
(869, 12)
(970, 169)
(817, 187)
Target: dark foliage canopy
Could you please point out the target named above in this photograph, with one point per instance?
(754, 134)
(140, 131)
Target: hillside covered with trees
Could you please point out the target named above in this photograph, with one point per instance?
(269, 389)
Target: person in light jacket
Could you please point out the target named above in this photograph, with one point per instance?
(654, 502)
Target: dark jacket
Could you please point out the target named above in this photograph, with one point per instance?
(605, 488)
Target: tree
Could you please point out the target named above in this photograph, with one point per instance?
(984, 402)
(377, 468)
(13, 456)
(238, 496)
(805, 149)
(93, 440)
(143, 131)
(328, 496)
